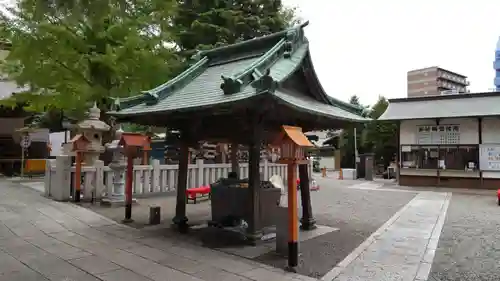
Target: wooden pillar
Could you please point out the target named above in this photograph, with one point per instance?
(293, 239)
(180, 218)
(307, 222)
(253, 231)
(145, 157)
(78, 176)
(480, 138)
(235, 163)
(129, 181)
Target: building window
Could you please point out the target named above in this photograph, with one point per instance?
(462, 158)
(419, 157)
(465, 158)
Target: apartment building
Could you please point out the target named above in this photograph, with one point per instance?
(433, 81)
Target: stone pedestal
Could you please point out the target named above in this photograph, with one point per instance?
(60, 187)
(369, 163)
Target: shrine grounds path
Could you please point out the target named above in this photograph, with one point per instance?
(45, 240)
(385, 232)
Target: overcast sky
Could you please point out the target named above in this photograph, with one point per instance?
(365, 47)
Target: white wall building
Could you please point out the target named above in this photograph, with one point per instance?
(451, 140)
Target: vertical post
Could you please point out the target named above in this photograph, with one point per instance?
(356, 152)
(438, 169)
(99, 179)
(22, 160)
(128, 189)
(293, 235)
(234, 158)
(145, 157)
(307, 221)
(253, 231)
(480, 140)
(180, 218)
(398, 156)
(78, 176)
(200, 175)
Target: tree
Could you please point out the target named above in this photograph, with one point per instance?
(204, 24)
(72, 53)
(381, 136)
(347, 141)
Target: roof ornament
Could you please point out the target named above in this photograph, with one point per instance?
(116, 104)
(94, 112)
(150, 98)
(265, 82)
(291, 36)
(231, 85)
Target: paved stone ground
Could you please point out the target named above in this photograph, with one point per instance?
(469, 248)
(45, 240)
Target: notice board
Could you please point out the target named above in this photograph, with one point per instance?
(489, 157)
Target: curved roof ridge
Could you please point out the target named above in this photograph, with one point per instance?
(162, 91)
(286, 46)
(262, 40)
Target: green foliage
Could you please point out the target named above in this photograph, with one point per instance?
(205, 24)
(72, 53)
(347, 141)
(381, 136)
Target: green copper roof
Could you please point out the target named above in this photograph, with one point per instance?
(238, 72)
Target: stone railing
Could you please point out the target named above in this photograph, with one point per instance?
(155, 179)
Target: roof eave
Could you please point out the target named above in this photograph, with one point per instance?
(329, 99)
(312, 111)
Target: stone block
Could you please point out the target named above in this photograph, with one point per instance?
(154, 215)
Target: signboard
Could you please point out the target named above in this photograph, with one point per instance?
(25, 141)
(489, 157)
(40, 135)
(438, 134)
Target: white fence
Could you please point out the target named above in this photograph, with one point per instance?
(148, 179)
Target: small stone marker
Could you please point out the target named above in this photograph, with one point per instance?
(154, 215)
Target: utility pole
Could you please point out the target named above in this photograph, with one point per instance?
(355, 152)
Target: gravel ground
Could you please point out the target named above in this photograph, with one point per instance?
(357, 214)
(469, 246)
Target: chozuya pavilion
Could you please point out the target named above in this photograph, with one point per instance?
(241, 94)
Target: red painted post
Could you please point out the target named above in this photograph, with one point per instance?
(78, 176)
(293, 235)
(128, 189)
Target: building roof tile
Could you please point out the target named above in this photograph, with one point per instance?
(452, 106)
(238, 72)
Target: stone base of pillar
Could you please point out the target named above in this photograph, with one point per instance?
(181, 223)
(116, 201)
(253, 237)
(307, 223)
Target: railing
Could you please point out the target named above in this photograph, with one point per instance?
(97, 180)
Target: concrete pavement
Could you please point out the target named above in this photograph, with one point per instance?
(403, 248)
(45, 240)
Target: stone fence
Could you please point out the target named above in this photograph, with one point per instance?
(154, 179)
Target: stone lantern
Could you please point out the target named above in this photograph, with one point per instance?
(92, 129)
(118, 164)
